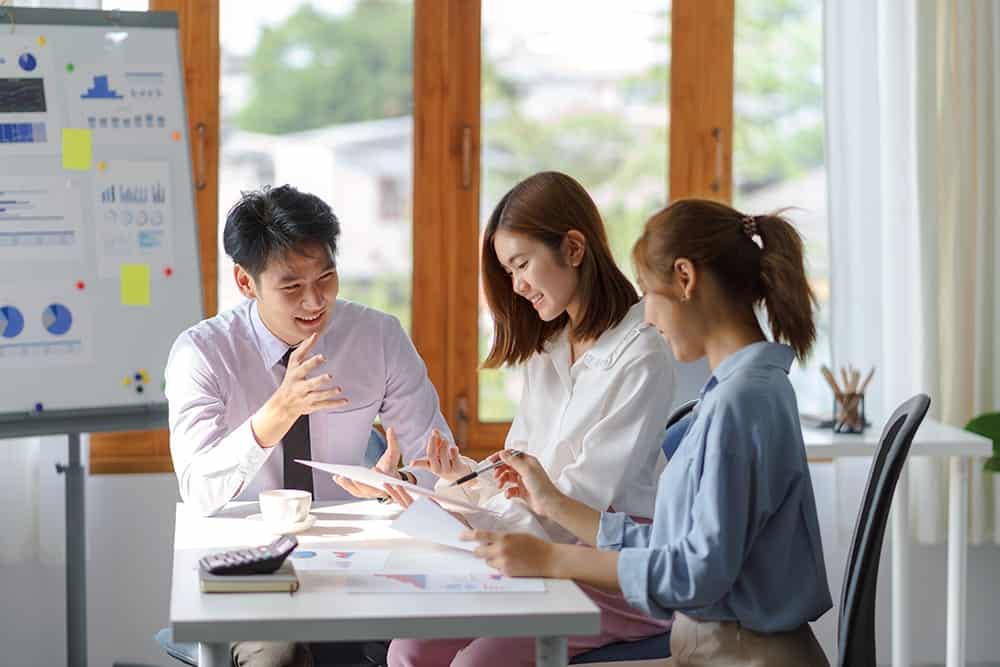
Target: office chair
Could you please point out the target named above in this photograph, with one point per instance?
(856, 624)
(187, 653)
(651, 651)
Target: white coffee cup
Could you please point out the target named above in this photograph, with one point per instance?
(284, 507)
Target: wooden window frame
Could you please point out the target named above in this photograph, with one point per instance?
(446, 189)
(447, 149)
(149, 451)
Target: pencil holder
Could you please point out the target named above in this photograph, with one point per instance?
(849, 413)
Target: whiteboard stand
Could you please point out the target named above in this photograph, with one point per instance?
(73, 423)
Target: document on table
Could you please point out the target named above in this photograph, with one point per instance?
(436, 583)
(426, 520)
(378, 480)
(355, 560)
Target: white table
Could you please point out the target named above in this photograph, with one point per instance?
(319, 612)
(936, 440)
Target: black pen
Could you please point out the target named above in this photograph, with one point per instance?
(478, 471)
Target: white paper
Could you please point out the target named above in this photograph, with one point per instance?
(134, 216)
(426, 520)
(437, 583)
(356, 560)
(378, 480)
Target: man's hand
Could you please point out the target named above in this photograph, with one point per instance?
(297, 395)
(386, 465)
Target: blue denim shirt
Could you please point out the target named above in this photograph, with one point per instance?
(735, 535)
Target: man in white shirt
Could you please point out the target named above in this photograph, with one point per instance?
(292, 372)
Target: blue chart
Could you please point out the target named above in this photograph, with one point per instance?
(101, 90)
(11, 321)
(27, 62)
(57, 319)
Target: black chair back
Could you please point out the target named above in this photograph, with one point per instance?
(856, 626)
(677, 426)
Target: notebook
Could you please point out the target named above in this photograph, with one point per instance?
(282, 580)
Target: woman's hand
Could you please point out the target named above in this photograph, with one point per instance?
(386, 465)
(522, 476)
(442, 459)
(514, 554)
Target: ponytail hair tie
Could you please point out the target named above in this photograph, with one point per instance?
(750, 229)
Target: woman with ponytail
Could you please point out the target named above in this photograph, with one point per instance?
(734, 551)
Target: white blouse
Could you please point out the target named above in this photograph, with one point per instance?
(595, 426)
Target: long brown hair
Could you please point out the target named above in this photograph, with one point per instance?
(545, 207)
(721, 240)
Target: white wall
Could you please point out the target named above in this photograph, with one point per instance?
(130, 531)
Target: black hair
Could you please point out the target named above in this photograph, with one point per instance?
(269, 222)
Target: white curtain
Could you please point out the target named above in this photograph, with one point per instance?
(913, 107)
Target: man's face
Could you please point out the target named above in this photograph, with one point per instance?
(296, 293)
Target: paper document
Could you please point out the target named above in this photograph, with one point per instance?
(357, 560)
(426, 520)
(437, 583)
(378, 480)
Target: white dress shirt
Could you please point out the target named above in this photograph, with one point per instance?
(595, 426)
(222, 370)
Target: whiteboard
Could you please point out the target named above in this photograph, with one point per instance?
(99, 267)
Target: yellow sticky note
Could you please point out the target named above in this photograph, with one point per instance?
(135, 284)
(76, 149)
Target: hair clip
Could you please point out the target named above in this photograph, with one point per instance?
(750, 229)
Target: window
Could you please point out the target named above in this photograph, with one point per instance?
(551, 100)
(343, 130)
(778, 146)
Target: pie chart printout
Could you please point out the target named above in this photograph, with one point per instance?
(11, 321)
(57, 319)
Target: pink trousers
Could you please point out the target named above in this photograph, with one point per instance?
(619, 622)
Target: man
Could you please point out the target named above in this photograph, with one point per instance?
(290, 373)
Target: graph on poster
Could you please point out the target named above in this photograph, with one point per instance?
(99, 267)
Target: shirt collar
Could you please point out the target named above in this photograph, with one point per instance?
(614, 341)
(272, 348)
(609, 345)
(762, 354)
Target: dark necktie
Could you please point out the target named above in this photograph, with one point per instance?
(295, 445)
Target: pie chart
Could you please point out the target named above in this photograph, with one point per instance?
(57, 319)
(11, 321)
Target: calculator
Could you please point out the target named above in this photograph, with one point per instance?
(254, 560)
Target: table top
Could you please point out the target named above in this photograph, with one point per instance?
(320, 612)
(932, 439)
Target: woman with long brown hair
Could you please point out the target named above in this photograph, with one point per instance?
(598, 386)
(734, 551)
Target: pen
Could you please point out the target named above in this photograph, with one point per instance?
(478, 471)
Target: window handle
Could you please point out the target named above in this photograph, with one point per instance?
(199, 182)
(466, 157)
(461, 420)
(717, 181)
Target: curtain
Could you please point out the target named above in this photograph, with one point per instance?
(913, 103)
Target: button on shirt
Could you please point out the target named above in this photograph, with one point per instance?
(222, 370)
(595, 425)
(735, 535)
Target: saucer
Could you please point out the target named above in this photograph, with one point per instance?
(296, 527)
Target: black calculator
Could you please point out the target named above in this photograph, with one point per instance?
(254, 560)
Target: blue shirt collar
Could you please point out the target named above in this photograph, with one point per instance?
(756, 355)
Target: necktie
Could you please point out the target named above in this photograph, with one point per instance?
(295, 445)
